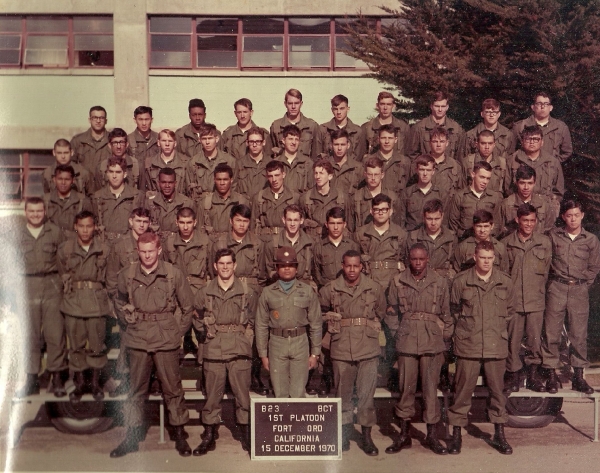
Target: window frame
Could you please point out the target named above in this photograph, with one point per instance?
(24, 169)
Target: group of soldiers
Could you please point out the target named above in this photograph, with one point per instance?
(309, 248)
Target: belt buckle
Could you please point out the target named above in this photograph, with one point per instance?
(571, 282)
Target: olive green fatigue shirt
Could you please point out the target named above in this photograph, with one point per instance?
(143, 150)
(214, 211)
(448, 177)
(134, 167)
(267, 211)
(371, 130)
(327, 257)
(163, 213)
(356, 138)
(397, 171)
(465, 203)
(418, 313)
(61, 212)
(499, 170)
(347, 176)
(481, 312)
(441, 250)
(411, 203)
(304, 253)
(86, 268)
(383, 255)
(309, 132)
(299, 175)
(90, 152)
(123, 253)
(549, 180)
(188, 142)
(199, 173)
(249, 256)
(154, 164)
(510, 205)
(362, 206)
(575, 259)
(251, 176)
(153, 294)
(297, 308)
(191, 257)
(557, 137)
(505, 141)
(316, 206)
(113, 212)
(420, 133)
(230, 307)
(233, 141)
(366, 300)
(82, 182)
(37, 255)
(464, 251)
(529, 263)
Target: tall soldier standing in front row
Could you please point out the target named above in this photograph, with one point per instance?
(148, 294)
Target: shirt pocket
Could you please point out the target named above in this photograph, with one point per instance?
(301, 302)
(539, 260)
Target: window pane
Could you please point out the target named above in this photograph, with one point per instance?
(46, 57)
(10, 185)
(263, 52)
(170, 43)
(217, 59)
(309, 25)
(262, 59)
(217, 25)
(170, 59)
(47, 24)
(262, 25)
(10, 158)
(47, 42)
(217, 43)
(341, 23)
(170, 25)
(92, 24)
(10, 23)
(95, 58)
(257, 43)
(93, 42)
(33, 186)
(10, 42)
(9, 56)
(342, 59)
(307, 51)
(41, 159)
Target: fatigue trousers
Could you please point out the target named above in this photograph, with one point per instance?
(215, 375)
(41, 315)
(288, 365)
(530, 324)
(90, 331)
(167, 371)
(428, 367)
(363, 375)
(465, 379)
(575, 301)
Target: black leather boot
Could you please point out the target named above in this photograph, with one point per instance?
(534, 379)
(432, 441)
(95, 387)
(346, 433)
(133, 437)
(58, 384)
(368, 446)
(403, 440)
(245, 431)
(456, 443)
(32, 386)
(325, 386)
(257, 384)
(580, 384)
(511, 382)
(499, 440)
(445, 385)
(78, 381)
(208, 443)
(553, 383)
(310, 388)
(181, 445)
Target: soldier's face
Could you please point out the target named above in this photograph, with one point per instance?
(209, 143)
(225, 267)
(116, 176)
(438, 145)
(340, 148)
(287, 271)
(197, 116)
(62, 154)
(483, 231)
(418, 261)
(167, 144)
(527, 224)
(149, 253)
(256, 145)
(387, 141)
(34, 214)
(525, 187)
(541, 108)
(240, 224)
(439, 109)
(118, 146)
(481, 179)
(484, 261)
(167, 185)
(433, 222)
(490, 117)
(98, 121)
(385, 107)
(425, 173)
(63, 182)
(572, 219)
(335, 227)
(485, 145)
(243, 115)
(532, 144)
(222, 183)
(322, 177)
(293, 106)
(143, 122)
(340, 112)
(85, 227)
(381, 213)
(275, 179)
(374, 176)
(291, 143)
(292, 222)
(139, 225)
(352, 268)
(186, 226)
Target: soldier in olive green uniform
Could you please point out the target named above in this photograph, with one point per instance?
(167, 157)
(118, 144)
(347, 169)
(148, 294)
(143, 142)
(288, 311)
(396, 166)
(418, 317)
(82, 267)
(36, 243)
(226, 309)
(482, 304)
(91, 147)
(386, 103)
(340, 121)
(529, 255)
(250, 169)
(234, 138)
(298, 167)
(82, 181)
(485, 152)
(354, 306)
(188, 136)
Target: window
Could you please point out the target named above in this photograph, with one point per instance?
(251, 43)
(21, 173)
(56, 41)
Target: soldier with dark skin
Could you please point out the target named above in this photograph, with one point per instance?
(91, 147)
(482, 305)
(575, 265)
(82, 266)
(250, 169)
(234, 138)
(188, 136)
(340, 121)
(168, 157)
(396, 166)
(348, 171)
(119, 145)
(418, 316)
(485, 146)
(353, 307)
(298, 167)
(148, 294)
(288, 328)
(386, 103)
(83, 181)
(529, 256)
(143, 142)
(226, 309)
(36, 242)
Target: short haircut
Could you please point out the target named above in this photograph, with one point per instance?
(438, 96)
(208, 129)
(335, 212)
(385, 95)
(291, 130)
(325, 164)
(116, 133)
(293, 93)
(167, 172)
(389, 128)
(241, 210)
(64, 168)
(482, 165)
(374, 162)
(439, 132)
(482, 216)
(525, 172)
(168, 132)
(532, 130)
(526, 209)
(381, 199)
(117, 161)
(62, 142)
(489, 103)
(244, 102)
(140, 212)
(274, 165)
(339, 133)
(83, 215)
(570, 205)
(339, 99)
(149, 237)
(293, 208)
(34, 201)
(432, 206)
(141, 110)
(484, 133)
(98, 108)
(484, 246)
(351, 254)
(223, 167)
(224, 252)
(196, 103)
(541, 93)
(255, 130)
(419, 246)
(186, 212)
(424, 160)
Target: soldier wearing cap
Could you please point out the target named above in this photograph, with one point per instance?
(287, 311)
